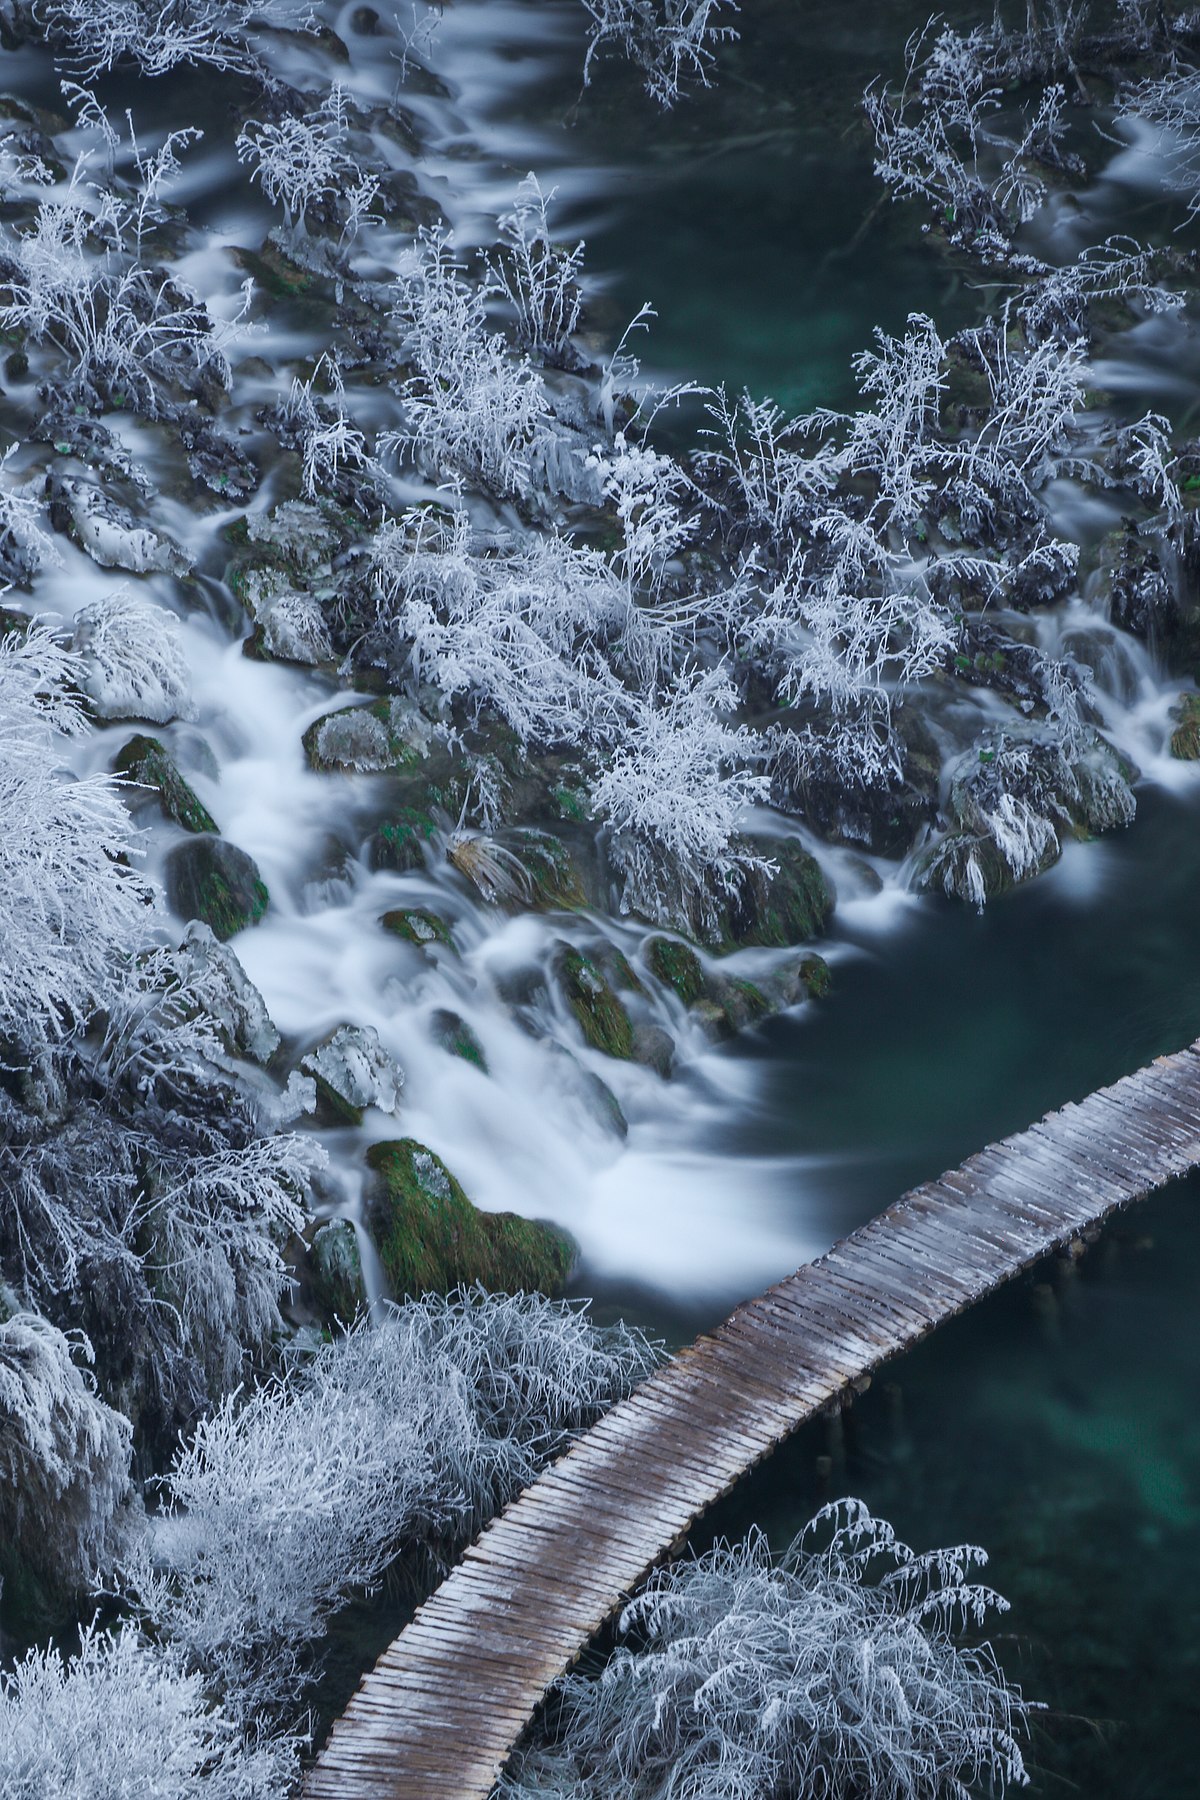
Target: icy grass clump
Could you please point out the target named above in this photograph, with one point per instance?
(670, 41)
(64, 1455)
(99, 34)
(538, 278)
(673, 795)
(401, 1438)
(134, 666)
(472, 408)
(123, 1718)
(833, 1672)
(71, 906)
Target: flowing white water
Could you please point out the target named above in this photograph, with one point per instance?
(665, 1206)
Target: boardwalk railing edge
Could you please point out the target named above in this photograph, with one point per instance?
(440, 1712)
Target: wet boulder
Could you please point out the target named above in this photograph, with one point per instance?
(431, 1239)
(146, 763)
(352, 1071)
(335, 1273)
(415, 925)
(1185, 739)
(110, 534)
(365, 739)
(593, 1002)
(209, 878)
(451, 1032)
(781, 909)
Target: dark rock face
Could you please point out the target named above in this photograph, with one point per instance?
(148, 763)
(213, 880)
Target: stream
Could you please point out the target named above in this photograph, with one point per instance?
(1056, 1425)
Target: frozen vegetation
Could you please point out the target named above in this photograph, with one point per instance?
(570, 659)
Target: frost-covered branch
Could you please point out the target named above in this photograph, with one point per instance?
(670, 41)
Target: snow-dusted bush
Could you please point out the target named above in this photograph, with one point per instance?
(834, 1671)
(302, 160)
(64, 1455)
(525, 630)
(538, 278)
(25, 545)
(473, 408)
(671, 41)
(319, 427)
(75, 279)
(673, 794)
(125, 1718)
(401, 1438)
(132, 659)
(72, 906)
(100, 34)
(762, 476)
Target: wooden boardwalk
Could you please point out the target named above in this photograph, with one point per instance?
(444, 1705)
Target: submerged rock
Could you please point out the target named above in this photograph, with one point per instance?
(417, 926)
(352, 1071)
(109, 534)
(368, 739)
(593, 1003)
(209, 878)
(147, 762)
(431, 1239)
(451, 1031)
(335, 1273)
(400, 844)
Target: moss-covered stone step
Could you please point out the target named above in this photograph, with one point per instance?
(431, 1239)
(149, 763)
(593, 1002)
(211, 879)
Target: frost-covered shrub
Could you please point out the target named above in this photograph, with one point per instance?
(402, 1438)
(538, 278)
(132, 658)
(100, 34)
(761, 474)
(834, 1671)
(673, 793)
(472, 407)
(528, 631)
(319, 427)
(71, 904)
(64, 1455)
(76, 280)
(25, 545)
(671, 41)
(126, 1718)
(304, 160)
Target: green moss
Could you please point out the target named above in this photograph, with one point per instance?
(276, 272)
(593, 1003)
(1185, 739)
(817, 977)
(570, 803)
(455, 1036)
(210, 879)
(399, 843)
(677, 966)
(358, 737)
(335, 1273)
(551, 868)
(431, 1239)
(416, 926)
(146, 761)
(787, 908)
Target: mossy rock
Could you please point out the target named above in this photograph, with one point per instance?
(148, 763)
(677, 966)
(431, 1239)
(335, 1273)
(593, 1003)
(558, 882)
(1185, 739)
(274, 271)
(359, 738)
(451, 1031)
(783, 909)
(416, 926)
(400, 843)
(211, 879)
(817, 977)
